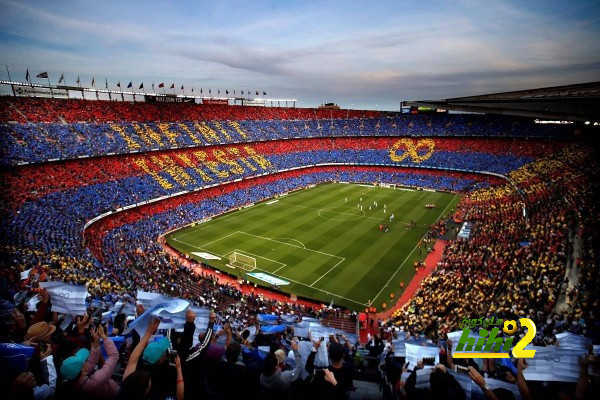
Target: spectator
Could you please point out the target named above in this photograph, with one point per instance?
(276, 382)
(335, 381)
(80, 369)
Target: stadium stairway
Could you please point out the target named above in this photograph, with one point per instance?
(365, 391)
(430, 264)
(343, 322)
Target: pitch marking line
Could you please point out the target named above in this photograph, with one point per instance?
(339, 212)
(327, 210)
(288, 244)
(219, 218)
(332, 268)
(278, 269)
(320, 290)
(247, 253)
(204, 244)
(408, 256)
(341, 220)
(286, 278)
(294, 240)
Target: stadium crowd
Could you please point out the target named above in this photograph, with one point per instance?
(515, 266)
(527, 234)
(42, 130)
(117, 349)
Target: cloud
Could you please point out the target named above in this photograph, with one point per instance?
(375, 53)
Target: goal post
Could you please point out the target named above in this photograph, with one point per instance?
(388, 185)
(241, 261)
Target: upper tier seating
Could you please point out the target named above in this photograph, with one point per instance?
(192, 125)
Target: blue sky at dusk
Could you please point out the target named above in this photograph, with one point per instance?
(359, 53)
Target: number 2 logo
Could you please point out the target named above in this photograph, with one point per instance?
(519, 349)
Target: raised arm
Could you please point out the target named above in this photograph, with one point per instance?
(42, 308)
(187, 338)
(449, 354)
(310, 361)
(180, 383)
(480, 381)
(521, 382)
(139, 349)
(227, 329)
(94, 356)
(207, 338)
(120, 310)
(103, 374)
(291, 375)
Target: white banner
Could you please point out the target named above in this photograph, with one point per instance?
(416, 353)
(40, 92)
(399, 348)
(66, 298)
(553, 364)
(570, 341)
(140, 324)
(25, 274)
(206, 256)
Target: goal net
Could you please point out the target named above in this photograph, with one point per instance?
(388, 185)
(241, 261)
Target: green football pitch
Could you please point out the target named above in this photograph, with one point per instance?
(319, 243)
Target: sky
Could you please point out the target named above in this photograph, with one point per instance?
(368, 55)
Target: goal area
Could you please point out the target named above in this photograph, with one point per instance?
(241, 261)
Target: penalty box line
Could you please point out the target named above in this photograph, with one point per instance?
(247, 253)
(304, 284)
(331, 269)
(275, 273)
(288, 244)
(341, 259)
(205, 244)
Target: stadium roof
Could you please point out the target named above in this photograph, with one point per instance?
(580, 102)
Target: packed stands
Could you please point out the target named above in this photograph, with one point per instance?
(513, 265)
(59, 129)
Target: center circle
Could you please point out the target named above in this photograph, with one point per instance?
(347, 215)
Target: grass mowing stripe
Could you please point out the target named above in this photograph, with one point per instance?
(413, 250)
(366, 257)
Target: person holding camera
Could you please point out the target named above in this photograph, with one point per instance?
(335, 381)
(159, 375)
(83, 374)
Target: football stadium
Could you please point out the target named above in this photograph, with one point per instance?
(165, 238)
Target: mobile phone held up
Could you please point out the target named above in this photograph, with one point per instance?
(172, 355)
(462, 370)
